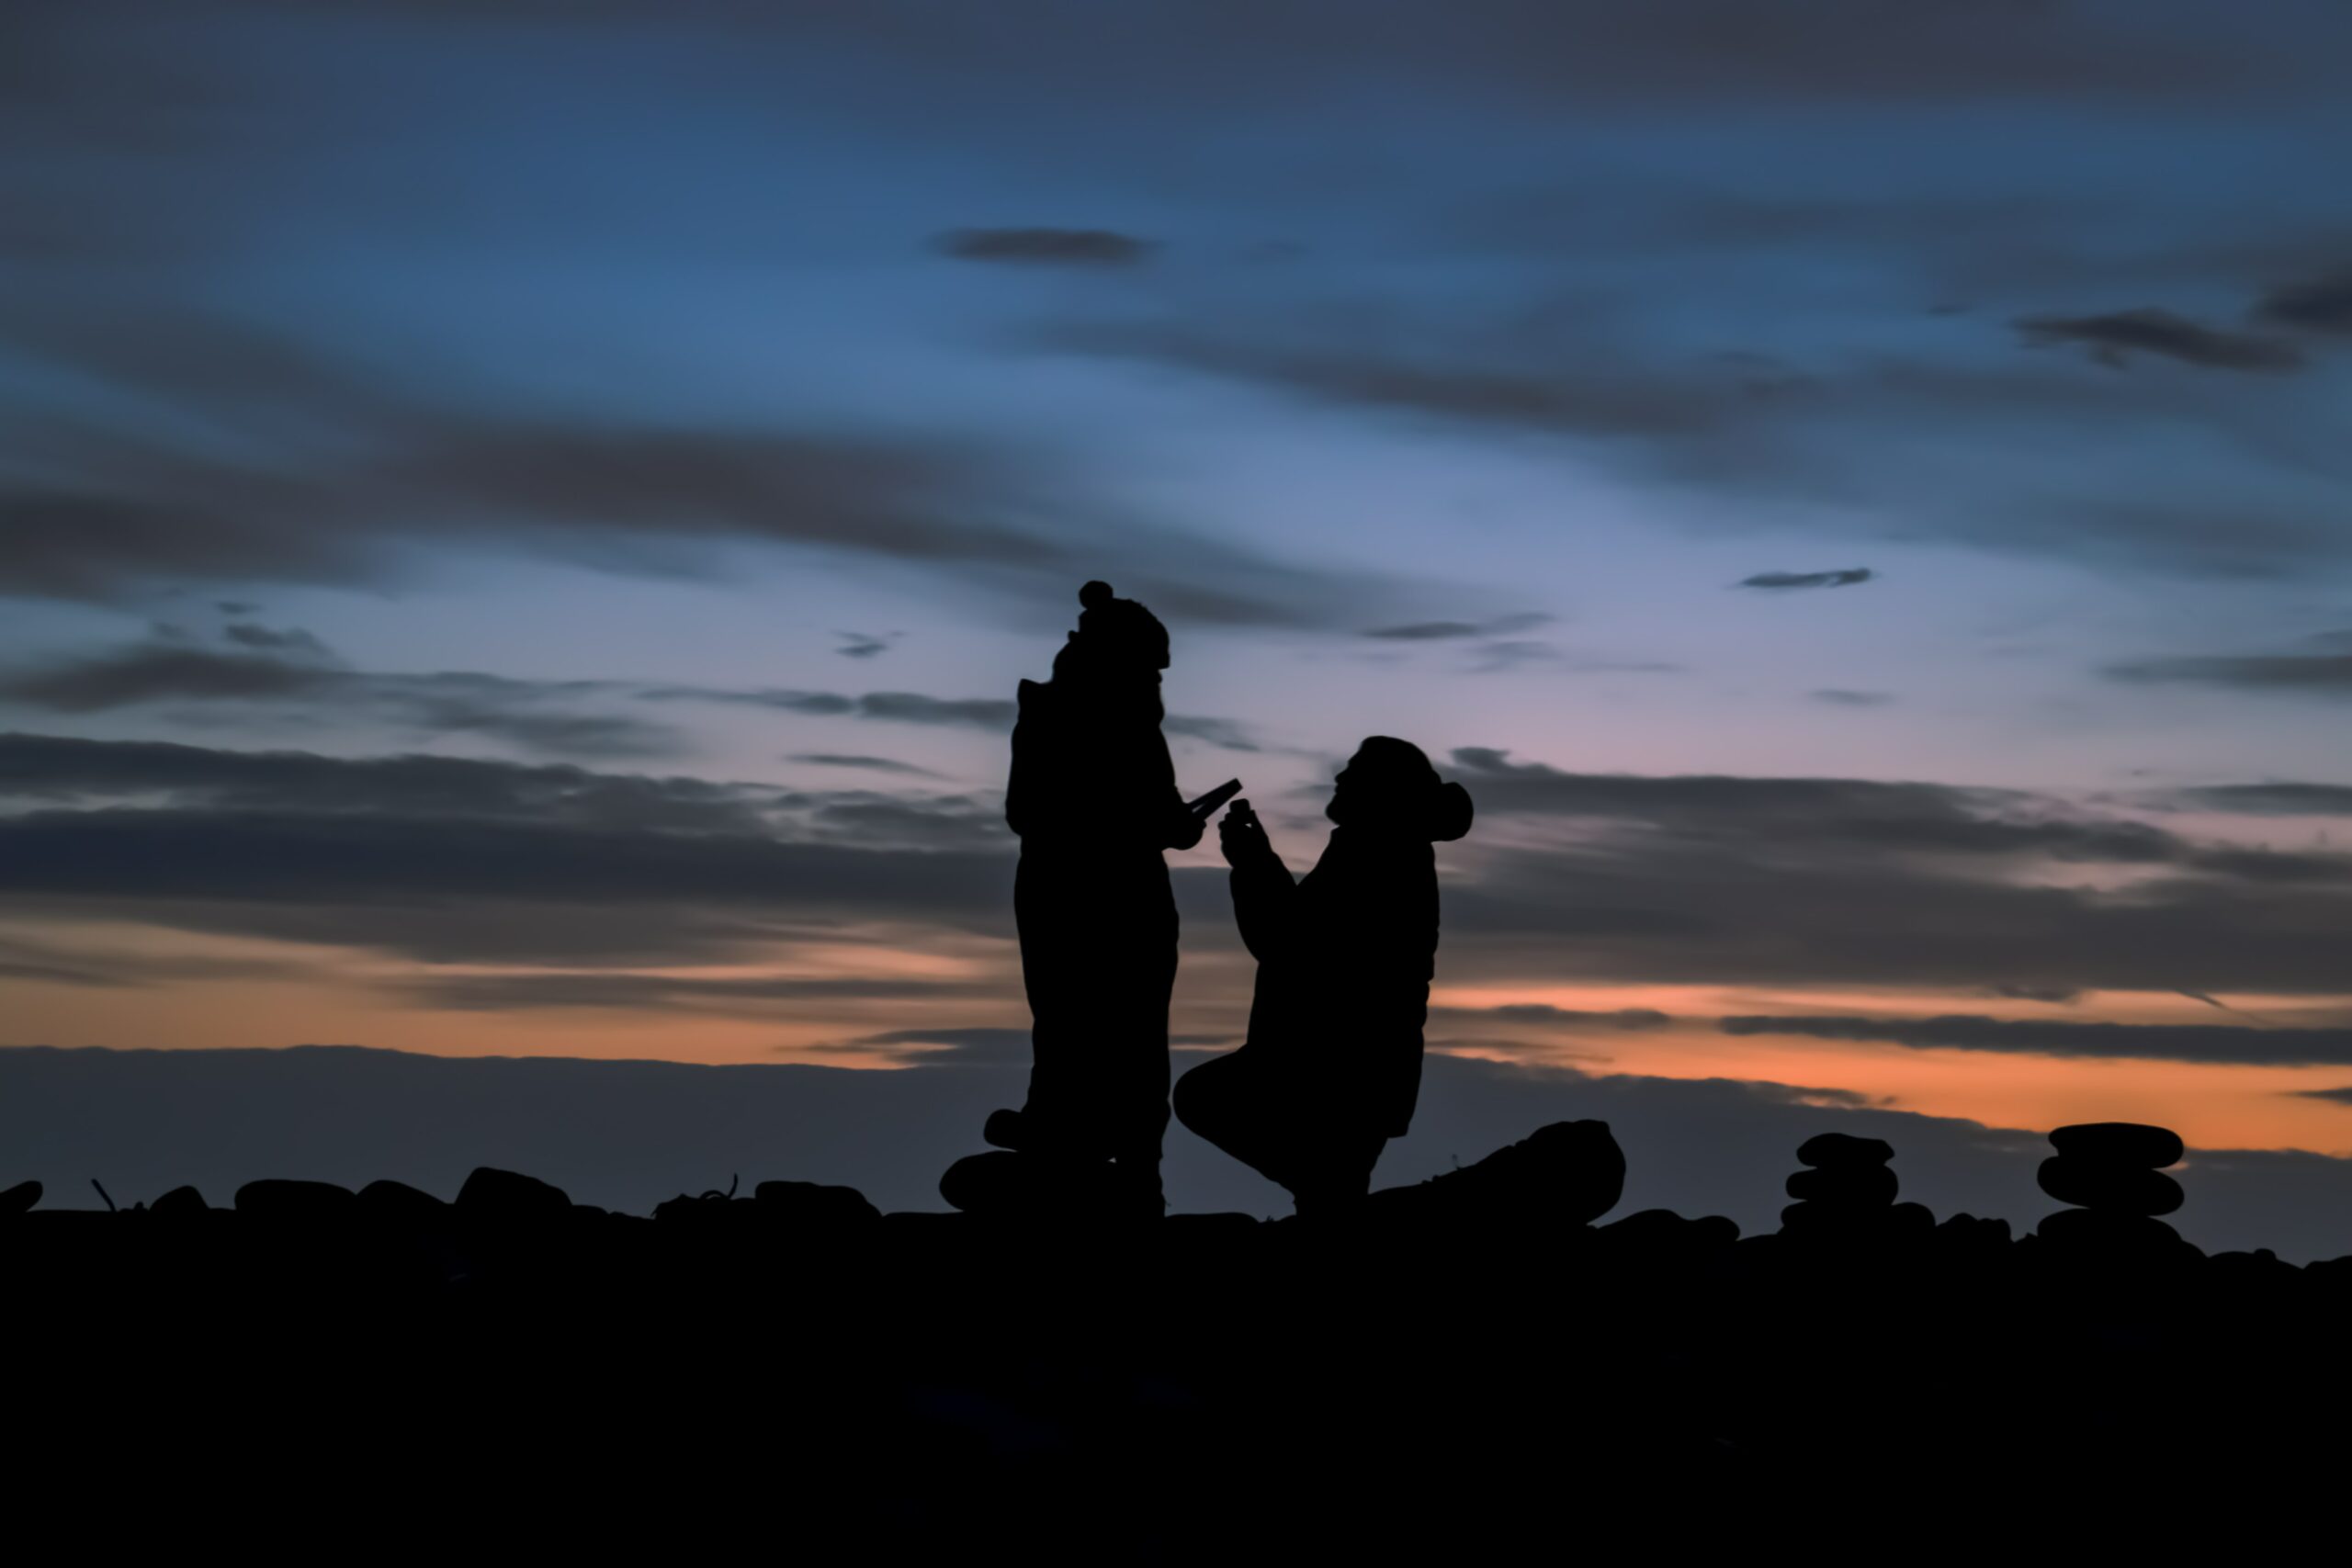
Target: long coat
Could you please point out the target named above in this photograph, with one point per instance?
(1345, 956)
(1092, 797)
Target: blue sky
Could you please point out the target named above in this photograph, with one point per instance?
(640, 390)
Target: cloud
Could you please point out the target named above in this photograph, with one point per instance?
(2057, 996)
(948, 1047)
(2282, 799)
(2324, 675)
(1784, 579)
(1630, 1019)
(96, 968)
(452, 860)
(1840, 697)
(345, 473)
(1790, 882)
(294, 675)
(1617, 400)
(2148, 1041)
(863, 645)
(2113, 339)
(2341, 1096)
(58, 769)
(851, 759)
(756, 996)
(1450, 631)
(1607, 390)
(1047, 247)
(298, 677)
(1226, 734)
(2318, 305)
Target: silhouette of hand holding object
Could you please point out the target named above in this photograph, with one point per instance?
(1243, 837)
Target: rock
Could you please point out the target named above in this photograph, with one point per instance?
(1831, 1151)
(2260, 1267)
(2120, 1142)
(1846, 1220)
(277, 1200)
(1567, 1173)
(2100, 1230)
(19, 1198)
(2073, 1178)
(814, 1204)
(1002, 1184)
(1847, 1186)
(709, 1211)
(1967, 1230)
(180, 1200)
(398, 1202)
(1663, 1230)
(492, 1194)
(1219, 1227)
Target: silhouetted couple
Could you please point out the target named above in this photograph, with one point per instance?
(1331, 1067)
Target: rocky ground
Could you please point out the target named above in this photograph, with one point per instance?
(1462, 1363)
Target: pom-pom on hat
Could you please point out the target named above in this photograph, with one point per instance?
(1120, 631)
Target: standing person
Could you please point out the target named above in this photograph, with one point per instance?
(1332, 1065)
(1093, 800)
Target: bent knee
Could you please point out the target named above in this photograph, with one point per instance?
(1202, 1096)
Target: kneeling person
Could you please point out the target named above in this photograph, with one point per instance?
(1332, 1066)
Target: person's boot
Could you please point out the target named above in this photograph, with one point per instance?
(1135, 1191)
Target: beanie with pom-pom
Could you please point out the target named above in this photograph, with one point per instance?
(1120, 631)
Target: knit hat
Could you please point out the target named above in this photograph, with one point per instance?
(1119, 631)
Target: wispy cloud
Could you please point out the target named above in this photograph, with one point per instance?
(1844, 577)
(1047, 247)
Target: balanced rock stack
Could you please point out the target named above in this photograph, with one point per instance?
(1848, 1189)
(2113, 1172)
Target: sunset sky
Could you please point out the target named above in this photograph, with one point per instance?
(520, 523)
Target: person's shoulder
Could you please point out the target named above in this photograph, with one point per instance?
(1034, 695)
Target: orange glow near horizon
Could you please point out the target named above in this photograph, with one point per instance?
(276, 994)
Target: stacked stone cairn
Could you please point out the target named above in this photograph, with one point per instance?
(1846, 1190)
(2113, 1172)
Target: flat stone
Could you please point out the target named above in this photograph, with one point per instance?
(399, 1201)
(1828, 1151)
(2096, 1230)
(17, 1199)
(1968, 1230)
(2120, 1142)
(490, 1194)
(814, 1203)
(2124, 1190)
(1852, 1187)
(180, 1200)
(1664, 1229)
(1567, 1173)
(279, 1200)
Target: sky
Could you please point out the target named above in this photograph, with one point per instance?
(520, 523)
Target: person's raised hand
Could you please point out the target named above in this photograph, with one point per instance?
(1242, 836)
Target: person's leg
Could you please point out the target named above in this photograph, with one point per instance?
(1056, 959)
(1135, 1052)
(1236, 1103)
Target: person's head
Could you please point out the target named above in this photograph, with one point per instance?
(1389, 787)
(1116, 638)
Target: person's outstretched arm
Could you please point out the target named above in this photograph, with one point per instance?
(1263, 892)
